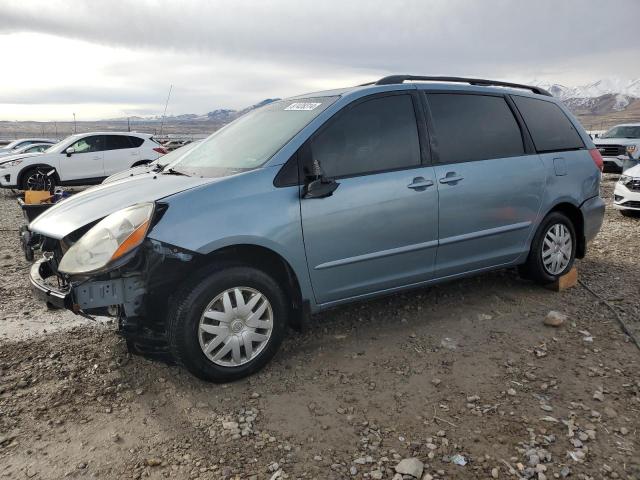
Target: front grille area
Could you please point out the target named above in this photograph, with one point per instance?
(611, 150)
(631, 204)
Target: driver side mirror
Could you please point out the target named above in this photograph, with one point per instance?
(316, 184)
(69, 151)
(320, 188)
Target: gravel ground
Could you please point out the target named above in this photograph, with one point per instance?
(461, 380)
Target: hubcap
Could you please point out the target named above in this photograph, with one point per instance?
(235, 327)
(556, 249)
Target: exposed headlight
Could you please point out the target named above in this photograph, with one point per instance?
(110, 239)
(631, 149)
(11, 163)
(625, 179)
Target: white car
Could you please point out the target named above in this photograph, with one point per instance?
(16, 145)
(28, 148)
(618, 144)
(626, 195)
(158, 165)
(81, 159)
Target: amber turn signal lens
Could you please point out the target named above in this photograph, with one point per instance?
(132, 241)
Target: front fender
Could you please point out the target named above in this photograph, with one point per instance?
(245, 209)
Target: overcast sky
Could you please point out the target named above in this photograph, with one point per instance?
(104, 59)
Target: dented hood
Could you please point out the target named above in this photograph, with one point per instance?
(99, 201)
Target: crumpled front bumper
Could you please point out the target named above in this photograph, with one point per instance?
(89, 296)
(41, 270)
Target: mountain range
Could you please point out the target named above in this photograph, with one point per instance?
(600, 103)
(597, 105)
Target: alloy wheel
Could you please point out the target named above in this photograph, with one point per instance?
(235, 326)
(38, 180)
(556, 249)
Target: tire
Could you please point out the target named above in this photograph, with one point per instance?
(37, 179)
(630, 213)
(226, 330)
(547, 272)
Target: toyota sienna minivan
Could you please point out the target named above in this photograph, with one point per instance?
(319, 200)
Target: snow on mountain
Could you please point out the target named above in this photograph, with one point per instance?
(624, 89)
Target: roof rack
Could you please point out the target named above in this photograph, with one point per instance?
(393, 79)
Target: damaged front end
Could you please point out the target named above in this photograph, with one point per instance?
(134, 284)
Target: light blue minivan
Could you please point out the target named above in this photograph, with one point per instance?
(319, 200)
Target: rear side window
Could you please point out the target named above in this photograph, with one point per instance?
(376, 135)
(136, 141)
(118, 142)
(550, 128)
(474, 127)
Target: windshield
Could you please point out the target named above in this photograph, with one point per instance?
(58, 147)
(250, 141)
(175, 155)
(623, 132)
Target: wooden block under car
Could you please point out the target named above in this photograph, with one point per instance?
(567, 280)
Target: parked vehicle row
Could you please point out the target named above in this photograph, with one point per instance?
(319, 200)
(19, 145)
(81, 159)
(620, 147)
(27, 148)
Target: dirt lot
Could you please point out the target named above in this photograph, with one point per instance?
(464, 372)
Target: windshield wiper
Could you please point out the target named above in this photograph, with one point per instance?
(171, 171)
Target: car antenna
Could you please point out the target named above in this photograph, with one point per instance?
(165, 109)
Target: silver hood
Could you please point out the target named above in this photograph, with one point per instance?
(99, 201)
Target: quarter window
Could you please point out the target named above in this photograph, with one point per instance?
(136, 141)
(376, 135)
(471, 127)
(550, 128)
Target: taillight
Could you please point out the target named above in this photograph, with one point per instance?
(597, 158)
(161, 150)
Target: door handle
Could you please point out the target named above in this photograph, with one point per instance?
(451, 177)
(96, 158)
(420, 183)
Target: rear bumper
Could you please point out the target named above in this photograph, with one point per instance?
(40, 271)
(612, 164)
(593, 215)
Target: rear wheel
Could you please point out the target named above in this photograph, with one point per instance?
(553, 249)
(37, 179)
(227, 324)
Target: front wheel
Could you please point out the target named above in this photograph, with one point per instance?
(228, 324)
(38, 179)
(553, 249)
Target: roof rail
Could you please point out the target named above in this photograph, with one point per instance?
(392, 79)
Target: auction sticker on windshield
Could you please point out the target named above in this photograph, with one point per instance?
(303, 106)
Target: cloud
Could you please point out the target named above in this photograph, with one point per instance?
(377, 34)
(236, 51)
